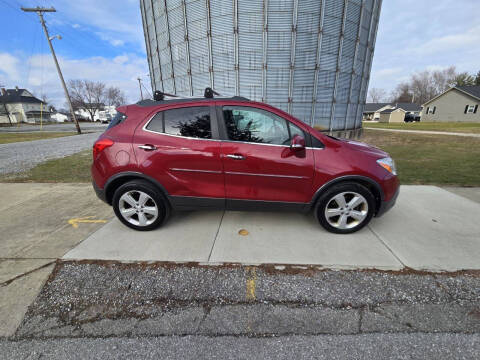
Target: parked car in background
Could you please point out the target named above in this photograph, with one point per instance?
(233, 153)
(409, 117)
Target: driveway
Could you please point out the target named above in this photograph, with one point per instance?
(22, 156)
(46, 302)
(429, 229)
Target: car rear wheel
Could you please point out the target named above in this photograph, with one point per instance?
(139, 205)
(345, 208)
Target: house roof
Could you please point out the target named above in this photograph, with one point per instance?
(473, 91)
(387, 111)
(408, 106)
(373, 107)
(18, 96)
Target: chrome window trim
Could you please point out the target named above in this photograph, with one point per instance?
(144, 128)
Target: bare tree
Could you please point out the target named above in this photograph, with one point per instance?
(464, 79)
(92, 96)
(425, 85)
(115, 97)
(376, 95)
(444, 79)
(87, 95)
(477, 78)
(402, 93)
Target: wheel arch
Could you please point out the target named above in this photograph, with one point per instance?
(117, 180)
(369, 183)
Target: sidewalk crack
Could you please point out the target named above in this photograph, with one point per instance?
(8, 282)
(216, 235)
(388, 247)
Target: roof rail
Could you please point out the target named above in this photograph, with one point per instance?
(209, 92)
(159, 95)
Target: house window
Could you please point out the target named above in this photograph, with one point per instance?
(471, 109)
(431, 110)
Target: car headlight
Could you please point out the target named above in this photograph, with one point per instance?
(388, 164)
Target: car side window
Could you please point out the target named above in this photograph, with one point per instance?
(255, 125)
(189, 122)
(295, 130)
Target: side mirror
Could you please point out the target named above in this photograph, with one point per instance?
(298, 143)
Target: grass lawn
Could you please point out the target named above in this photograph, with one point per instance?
(73, 168)
(6, 138)
(421, 159)
(433, 126)
(430, 159)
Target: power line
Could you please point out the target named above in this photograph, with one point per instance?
(148, 91)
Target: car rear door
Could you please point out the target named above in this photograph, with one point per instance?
(179, 147)
(258, 162)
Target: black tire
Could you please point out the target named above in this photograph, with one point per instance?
(155, 195)
(346, 187)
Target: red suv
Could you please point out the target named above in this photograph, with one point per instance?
(236, 154)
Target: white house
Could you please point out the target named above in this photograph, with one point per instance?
(104, 113)
(59, 117)
(19, 105)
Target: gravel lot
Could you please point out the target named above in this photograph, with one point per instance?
(22, 156)
(355, 347)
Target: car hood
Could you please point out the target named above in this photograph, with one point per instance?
(363, 147)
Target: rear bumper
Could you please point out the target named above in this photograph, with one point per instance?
(100, 192)
(387, 205)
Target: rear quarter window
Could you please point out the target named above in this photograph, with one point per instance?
(118, 119)
(193, 122)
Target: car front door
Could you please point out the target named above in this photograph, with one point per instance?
(179, 147)
(258, 162)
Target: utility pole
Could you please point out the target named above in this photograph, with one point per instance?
(40, 12)
(140, 86)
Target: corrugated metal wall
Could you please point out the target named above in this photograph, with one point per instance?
(311, 58)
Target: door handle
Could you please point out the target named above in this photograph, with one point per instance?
(147, 147)
(236, 156)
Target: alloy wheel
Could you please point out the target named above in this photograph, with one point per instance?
(346, 210)
(138, 208)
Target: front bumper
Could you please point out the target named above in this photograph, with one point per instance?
(387, 205)
(100, 192)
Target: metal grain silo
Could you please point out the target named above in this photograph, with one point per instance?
(311, 58)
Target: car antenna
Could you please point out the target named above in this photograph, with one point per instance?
(209, 92)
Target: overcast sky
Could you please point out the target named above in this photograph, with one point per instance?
(103, 40)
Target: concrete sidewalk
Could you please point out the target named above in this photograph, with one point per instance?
(429, 229)
(35, 231)
(428, 132)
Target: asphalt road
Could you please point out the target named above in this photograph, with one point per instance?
(355, 347)
(85, 127)
(21, 156)
(111, 299)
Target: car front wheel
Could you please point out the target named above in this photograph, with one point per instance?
(345, 208)
(139, 205)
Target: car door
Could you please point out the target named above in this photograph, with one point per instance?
(179, 147)
(258, 162)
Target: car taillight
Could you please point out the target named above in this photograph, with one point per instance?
(101, 145)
